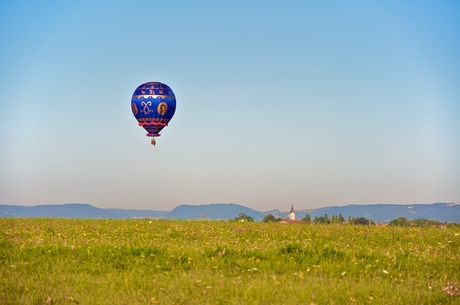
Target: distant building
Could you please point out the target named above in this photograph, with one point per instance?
(292, 213)
(291, 218)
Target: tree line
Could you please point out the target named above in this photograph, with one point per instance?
(334, 219)
(339, 219)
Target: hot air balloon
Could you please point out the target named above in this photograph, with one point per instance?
(153, 105)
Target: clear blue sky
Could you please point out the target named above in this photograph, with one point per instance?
(310, 103)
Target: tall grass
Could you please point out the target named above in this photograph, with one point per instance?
(63, 261)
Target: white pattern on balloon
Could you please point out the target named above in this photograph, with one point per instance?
(146, 110)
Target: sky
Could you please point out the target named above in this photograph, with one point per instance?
(279, 103)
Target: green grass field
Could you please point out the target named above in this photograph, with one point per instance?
(64, 261)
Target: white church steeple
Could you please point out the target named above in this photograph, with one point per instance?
(292, 213)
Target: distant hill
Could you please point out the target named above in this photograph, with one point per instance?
(386, 212)
(213, 211)
(377, 212)
(74, 210)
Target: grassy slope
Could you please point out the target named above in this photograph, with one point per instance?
(58, 261)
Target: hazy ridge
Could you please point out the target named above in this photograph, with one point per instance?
(445, 212)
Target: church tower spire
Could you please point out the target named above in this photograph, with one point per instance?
(292, 213)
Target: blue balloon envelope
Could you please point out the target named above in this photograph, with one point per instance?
(153, 104)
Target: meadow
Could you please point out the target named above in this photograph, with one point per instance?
(66, 261)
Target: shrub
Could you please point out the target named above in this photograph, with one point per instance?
(269, 218)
